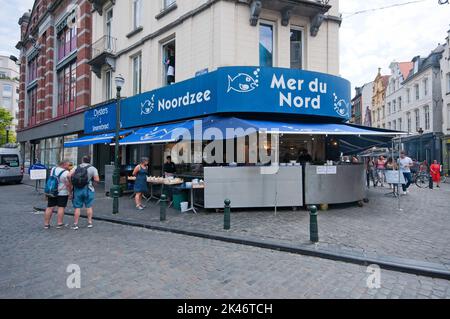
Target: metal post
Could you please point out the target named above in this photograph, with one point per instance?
(163, 207)
(227, 215)
(7, 136)
(115, 189)
(313, 226)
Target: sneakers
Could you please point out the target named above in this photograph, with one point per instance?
(404, 193)
(90, 225)
(62, 226)
(75, 227)
(140, 207)
(46, 227)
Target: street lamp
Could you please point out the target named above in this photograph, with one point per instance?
(115, 189)
(420, 131)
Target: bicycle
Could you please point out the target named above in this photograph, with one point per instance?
(421, 179)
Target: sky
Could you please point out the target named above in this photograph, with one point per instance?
(367, 41)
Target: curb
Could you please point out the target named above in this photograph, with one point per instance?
(414, 267)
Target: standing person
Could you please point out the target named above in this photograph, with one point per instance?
(380, 166)
(64, 189)
(435, 171)
(170, 63)
(390, 166)
(370, 172)
(405, 164)
(169, 167)
(140, 186)
(82, 178)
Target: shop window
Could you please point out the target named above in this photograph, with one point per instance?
(67, 81)
(169, 69)
(296, 49)
(266, 52)
(137, 74)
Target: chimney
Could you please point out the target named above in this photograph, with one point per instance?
(23, 22)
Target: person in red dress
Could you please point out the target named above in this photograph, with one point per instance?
(435, 171)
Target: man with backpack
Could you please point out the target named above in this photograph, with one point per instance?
(82, 178)
(58, 191)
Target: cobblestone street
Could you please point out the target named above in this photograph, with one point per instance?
(126, 262)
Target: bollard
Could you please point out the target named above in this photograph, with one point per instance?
(430, 182)
(162, 212)
(227, 215)
(313, 227)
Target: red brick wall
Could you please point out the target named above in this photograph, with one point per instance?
(46, 61)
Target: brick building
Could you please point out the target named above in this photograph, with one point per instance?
(55, 78)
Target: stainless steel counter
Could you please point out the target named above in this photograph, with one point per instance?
(345, 185)
(247, 187)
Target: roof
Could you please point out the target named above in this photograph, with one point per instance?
(385, 80)
(405, 68)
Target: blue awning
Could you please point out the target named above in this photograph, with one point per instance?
(94, 139)
(165, 133)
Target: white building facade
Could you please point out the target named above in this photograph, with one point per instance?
(366, 103)
(421, 112)
(138, 39)
(445, 78)
(9, 86)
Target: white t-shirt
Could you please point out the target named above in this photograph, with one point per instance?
(404, 164)
(171, 71)
(63, 180)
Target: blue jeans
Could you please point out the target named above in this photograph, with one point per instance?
(408, 178)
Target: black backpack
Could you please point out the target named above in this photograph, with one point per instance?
(80, 178)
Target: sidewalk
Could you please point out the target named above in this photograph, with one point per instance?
(418, 234)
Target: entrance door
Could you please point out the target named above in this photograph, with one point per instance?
(156, 159)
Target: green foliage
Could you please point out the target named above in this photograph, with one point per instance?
(5, 121)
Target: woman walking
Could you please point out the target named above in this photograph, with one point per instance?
(435, 171)
(140, 186)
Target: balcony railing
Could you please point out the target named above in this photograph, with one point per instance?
(105, 44)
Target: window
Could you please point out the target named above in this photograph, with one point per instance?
(389, 125)
(108, 29)
(168, 3)
(448, 82)
(394, 125)
(399, 103)
(416, 89)
(32, 106)
(169, 67)
(266, 45)
(137, 6)
(394, 106)
(32, 69)
(67, 82)
(67, 42)
(417, 113)
(137, 74)
(296, 49)
(425, 87)
(408, 119)
(108, 85)
(399, 121)
(378, 115)
(7, 90)
(7, 103)
(389, 108)
(384, 111)
(427, 117)
(408, 96)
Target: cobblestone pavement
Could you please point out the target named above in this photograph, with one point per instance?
(420, 231)
(127, 262)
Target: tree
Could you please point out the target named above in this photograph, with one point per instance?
(6, 120)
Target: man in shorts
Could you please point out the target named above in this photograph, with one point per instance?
(84, 197)
(64, 194)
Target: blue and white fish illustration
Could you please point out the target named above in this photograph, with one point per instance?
(242, 83)
(342, 108)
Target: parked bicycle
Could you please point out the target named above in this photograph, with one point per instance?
(421, 179)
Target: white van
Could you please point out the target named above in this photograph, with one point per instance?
(11, 169)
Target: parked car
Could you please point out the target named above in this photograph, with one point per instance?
(11, 168)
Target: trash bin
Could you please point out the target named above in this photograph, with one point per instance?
(179, 195)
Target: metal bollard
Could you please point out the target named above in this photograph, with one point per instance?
(313, 226)
(227, 215)
(162, 211)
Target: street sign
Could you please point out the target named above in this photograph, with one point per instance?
(394, 177)
(38, 174)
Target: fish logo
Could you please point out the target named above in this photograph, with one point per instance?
(341, 107)
(148, 106)
(243, 83)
